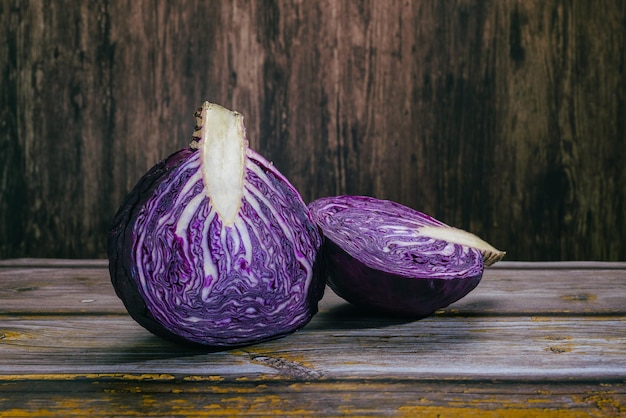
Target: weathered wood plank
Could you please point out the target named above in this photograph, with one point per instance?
(61, 263)
(179, 396)
(522, 289)
(526, 342)
(333, 347)
(57, 290)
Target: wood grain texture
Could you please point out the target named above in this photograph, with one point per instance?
(506, 289)
(534, 339)
(167, 396)
(503, 118)
(510, 348)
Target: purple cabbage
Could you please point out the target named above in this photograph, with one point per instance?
(390, 258)
(195, 262)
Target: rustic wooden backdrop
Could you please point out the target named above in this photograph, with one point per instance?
(505, 118)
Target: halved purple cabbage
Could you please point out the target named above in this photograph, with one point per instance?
(390, 258)
(214, 246)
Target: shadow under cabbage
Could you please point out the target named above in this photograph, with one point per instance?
(151, 347)
(349, 316)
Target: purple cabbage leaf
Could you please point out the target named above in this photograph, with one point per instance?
(390, 258)
(214, 246)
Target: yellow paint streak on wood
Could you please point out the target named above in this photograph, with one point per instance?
(260, 378)
(541, 319)
(211, 378)
(89, 376)
(65, 409)
(582, 297)
(509, 412)
(229, 389)
(594, 404)
(233, 390)
(10, 335)
(604, 401)
(78, 409)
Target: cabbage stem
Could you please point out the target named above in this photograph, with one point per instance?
(458, 236)
(222, 145)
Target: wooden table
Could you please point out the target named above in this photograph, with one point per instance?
(533, 339)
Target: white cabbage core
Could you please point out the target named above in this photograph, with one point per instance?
(461, 237)
(223, 149)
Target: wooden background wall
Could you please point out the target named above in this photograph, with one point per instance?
(505, 118)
